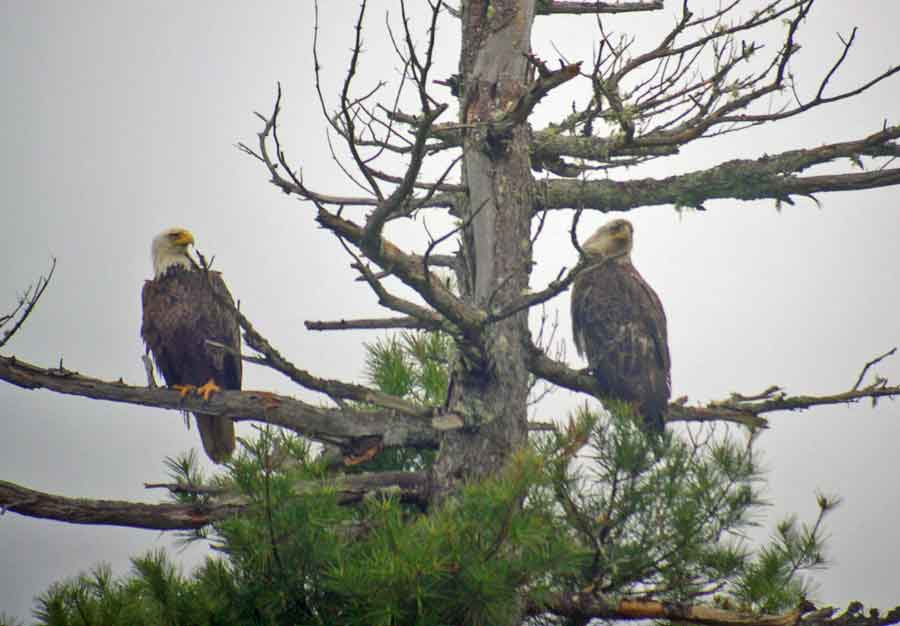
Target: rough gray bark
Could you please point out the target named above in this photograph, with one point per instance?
(490, 392)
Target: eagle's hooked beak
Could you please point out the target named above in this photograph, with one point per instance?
(184, 238)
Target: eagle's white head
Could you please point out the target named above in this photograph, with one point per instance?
(170, 248)
(612, 240)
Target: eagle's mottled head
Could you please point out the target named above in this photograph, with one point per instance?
(169, 248)
(613, 239)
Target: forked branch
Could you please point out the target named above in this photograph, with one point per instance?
(335, 389)
(25, 305)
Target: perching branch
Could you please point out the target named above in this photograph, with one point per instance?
(738, 409)
(322, 424)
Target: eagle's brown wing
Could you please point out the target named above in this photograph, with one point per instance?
(620, 326)
(180, 313)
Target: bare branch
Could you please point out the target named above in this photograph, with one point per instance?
(409, 269)
(674, 101)
(293, 183)
(112, 512)
(874, 361)
(346, 106)
(561, 7)
(553, 289)
(335, 389)
(547, 81)
(389, 300)
(738, 409)
(408, 322)
(770, 176)
(221, 505)
(395, 303)
(401, 195)
(25, 305)
(300, 417)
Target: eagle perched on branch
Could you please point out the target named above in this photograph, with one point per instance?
(619, 324)
(182, 312)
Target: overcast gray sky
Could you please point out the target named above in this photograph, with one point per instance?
(120, 118)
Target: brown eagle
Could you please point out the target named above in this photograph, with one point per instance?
(181, 313)
(618, 322)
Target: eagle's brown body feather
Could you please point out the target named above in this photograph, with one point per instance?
(180, 313)
(620, 326)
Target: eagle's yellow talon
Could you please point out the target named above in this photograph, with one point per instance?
(208, 389)
(184, 390)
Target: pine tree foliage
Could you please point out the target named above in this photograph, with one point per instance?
(597, 506)
(412, 365)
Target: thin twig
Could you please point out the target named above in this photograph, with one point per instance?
(26, 304)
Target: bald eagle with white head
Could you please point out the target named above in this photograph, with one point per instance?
(182, 312)
(619, 324)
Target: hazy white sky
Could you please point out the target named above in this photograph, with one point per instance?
(120, 118)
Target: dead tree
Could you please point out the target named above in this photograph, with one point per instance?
(707, 77)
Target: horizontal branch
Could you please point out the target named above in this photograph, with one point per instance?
(112, 512)
(738, 409)
(768, 177)
(550, 144)
(584, 381)
(348, 489)
(562, 7)
(741, 180)
(407, 322)
(305, 419)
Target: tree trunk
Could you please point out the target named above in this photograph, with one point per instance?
(490, 391)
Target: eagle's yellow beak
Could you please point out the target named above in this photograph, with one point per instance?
(184, 238)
